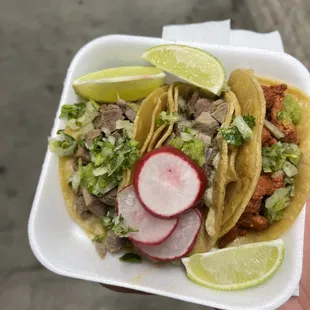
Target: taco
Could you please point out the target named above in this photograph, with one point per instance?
(96, 150)
(275, 186)
(192, 125)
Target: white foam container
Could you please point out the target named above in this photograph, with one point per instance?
(61, 246)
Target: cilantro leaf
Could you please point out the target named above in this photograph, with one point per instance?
(232, 135)
(131, 258)
(72, 111)
(250, 120)
(116, 224)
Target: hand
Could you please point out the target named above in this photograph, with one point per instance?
(302, 302)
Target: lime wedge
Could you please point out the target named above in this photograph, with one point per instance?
(190, 64)
(128, 83)
(236, 268)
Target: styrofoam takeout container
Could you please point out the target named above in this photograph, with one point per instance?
(61, 246)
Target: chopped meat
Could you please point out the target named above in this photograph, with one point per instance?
(80, 206)
(82, 153)
(267, 138)
(211, 152)
(218, 110)
(267, 186)
(92, 135)
(110, 197)
(122, 103)
(228, 238)
(130, 114)
(101, 249)
(93, 204)
(108, 115)
(190, 107)
(242, 231)
(97, 207)
(201, 105)
(206, 124)
(254, 222)
(253, 206)
(289, 131)
(113, 242)
(205, 139)
(273, 94)
(278, 181)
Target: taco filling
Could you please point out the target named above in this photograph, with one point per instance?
(97, 143)
(195, 132)
(280, 159)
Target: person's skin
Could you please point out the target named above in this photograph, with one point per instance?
(302, 302)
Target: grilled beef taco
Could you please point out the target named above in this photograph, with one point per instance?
(191, 125)
(97, 148)
(272, 168)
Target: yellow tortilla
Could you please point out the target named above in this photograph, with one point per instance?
(248, 160)
(209, 231)
(302, 183)
(157, 139)
(92, 226)
(163, 105)
(215, 212)
(144, 124)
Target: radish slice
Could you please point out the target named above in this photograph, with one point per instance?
(151, 230)
(181, 241)
(168, 183)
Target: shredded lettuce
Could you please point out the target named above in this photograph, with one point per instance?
(293, 109)
(72, 111)
(167, 118)
(243, 127)
(87, 117)
(64, 145)
(276, 204)
(275, 156)
(126, 125)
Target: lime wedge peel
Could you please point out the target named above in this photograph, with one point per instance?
(191, 64)
(128, 83)
(236, 268)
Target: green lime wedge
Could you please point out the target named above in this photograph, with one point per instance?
(236, 268)
(190, 64)
(128, 83)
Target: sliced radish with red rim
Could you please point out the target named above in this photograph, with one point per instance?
(151, 230)
(168, 183)
(179, 243)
